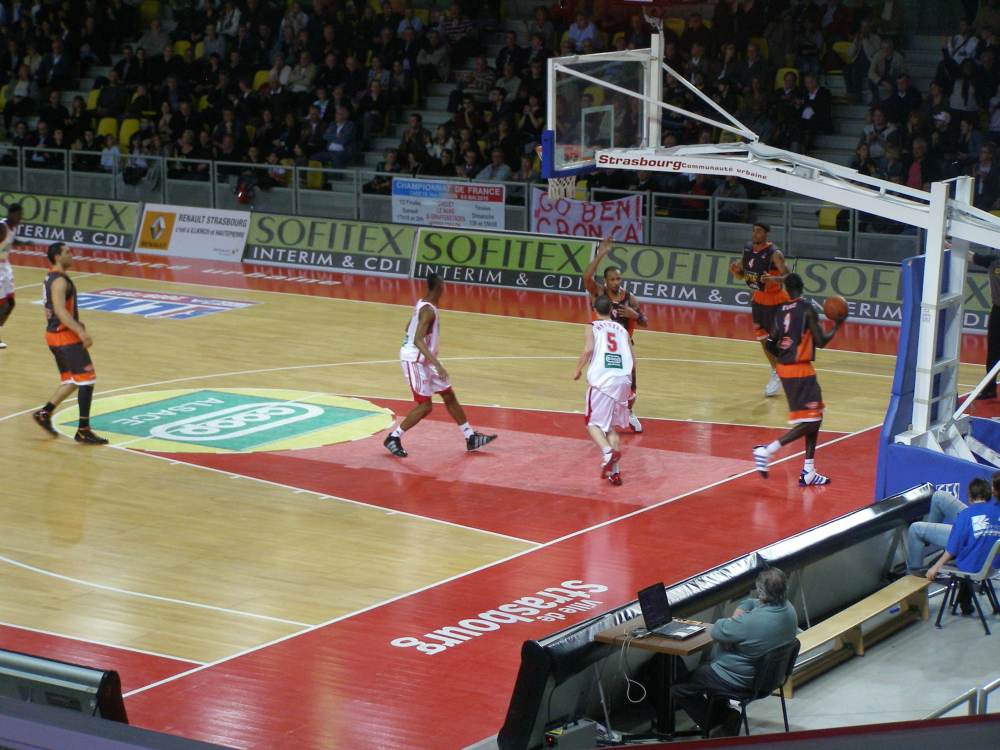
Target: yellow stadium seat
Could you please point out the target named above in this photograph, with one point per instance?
(761, 43)
(92, 98)
(314, 176)
(149, 10)
(597, 92)
(615, 38)
(251, 131)
(260, 78)
(423, 14)
(843, 50)
(128, 128)
(203, 104)
(107, 126)
(676, 25)
(779, 78)
(706, 23)
(199, 50)
(3, 96)
(828, 217)
(182, 46)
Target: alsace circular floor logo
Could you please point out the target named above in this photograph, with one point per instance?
(229, 420)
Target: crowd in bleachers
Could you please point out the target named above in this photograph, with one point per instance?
(268, 84)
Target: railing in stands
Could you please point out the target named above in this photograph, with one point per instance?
(976, 698)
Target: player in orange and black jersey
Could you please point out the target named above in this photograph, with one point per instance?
(624, 308)
(763, 269)
(68, 341)
(793, 341)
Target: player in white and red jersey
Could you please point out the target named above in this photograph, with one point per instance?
(607, 354)
(8, 232)
(425, 373)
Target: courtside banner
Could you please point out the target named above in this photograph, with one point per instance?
(82, 222)
(330, 245)
(620, 219)
(191, 232)
(701, 277)
(517, 261)
(445, 203)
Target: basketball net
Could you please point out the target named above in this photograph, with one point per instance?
(562, 187)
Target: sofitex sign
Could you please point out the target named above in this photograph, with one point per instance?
(106, 225)
(330, 245)
(517, 261)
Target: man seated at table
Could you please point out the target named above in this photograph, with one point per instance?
(756, 627)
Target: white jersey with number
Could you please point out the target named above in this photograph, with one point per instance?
(6, 272)
(612, 357)
(409, 352)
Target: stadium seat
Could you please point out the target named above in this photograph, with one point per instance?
(148, 11)
(3, 96)
(676, 25)
(107, 126)
(251, 132)
(779, 77)
(128, 128)
(92, 99)
(597, 92)
(828, 217)
(314, 175)
(181, 46)
(614, 40)
(423, 14)
(260, 78)
(761, 43)
(843, 50)
(199, 50)
(706, 23)
(203, 103)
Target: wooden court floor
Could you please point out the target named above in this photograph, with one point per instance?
(277, 595)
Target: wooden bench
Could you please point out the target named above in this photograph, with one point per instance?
(843, 630)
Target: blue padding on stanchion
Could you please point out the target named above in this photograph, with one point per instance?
(987, 432)
(906, 464)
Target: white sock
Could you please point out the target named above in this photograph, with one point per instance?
(606, 450)
(398, 432)
(466, 430)
(614, 469)
(809, 467)
(773, 448)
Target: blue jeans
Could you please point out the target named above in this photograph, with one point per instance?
(935, 530)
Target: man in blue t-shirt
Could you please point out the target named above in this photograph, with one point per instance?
(975, 531)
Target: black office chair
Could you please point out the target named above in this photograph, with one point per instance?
(773, 668)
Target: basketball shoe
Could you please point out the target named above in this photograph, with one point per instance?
(760, 459)
(44, 420)
(633, 422)
(85, 436)
(477, 440)
(395, 446)
(616, 479)
(773, 385)
(810, 479)
(608, 463)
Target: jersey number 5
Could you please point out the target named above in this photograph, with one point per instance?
(612, 344)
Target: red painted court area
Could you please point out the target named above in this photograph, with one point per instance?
(346, 684)
(690, 501)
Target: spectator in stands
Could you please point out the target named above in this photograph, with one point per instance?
(935, 101)
(278, 74)
(54, 112)
(113, 99)
(883, 70)
(373, 111)
(233, 128)
(20, 97)
(341, 137)
(879, 133)
(923, 170)
(410, 22)
(957, 48)
(459, 33)
(213, 43)
(229, 21)
(355, 78)
(968, 88)
(582, 29)
(808, 46)
(109, 154)
(834, 21)
(510, 82)
(92, 46)
(126, 69)
(973, 534)
(986, 173)
(155, 38)
(527, 172)
(863, 162)
(378, 72)
(905, 100)
(301, 77)
(88, 147)
(865, 46)
(731, 200)
(696, 33)
(469, 117)
(79, 117)
(540, 25)
(536, 84)
(381, 184)
(497, 170)
(697, 63)
(311, 131)
(386, 48)
(470, 165)
(511, 53)
(408, 49)
(476, 84)
(443, 166)
(965, 152)
(695, 207)
(433, 61)
(416, 138)
(814, 113)
(753, 65)
(756, 627)
(56, 69)
(538, 52)
(987, 18)
(889, 21)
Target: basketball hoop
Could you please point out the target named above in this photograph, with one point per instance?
(562, 187)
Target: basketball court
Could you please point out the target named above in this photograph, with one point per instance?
(262, 573)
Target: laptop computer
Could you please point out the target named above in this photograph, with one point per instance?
(656, 612)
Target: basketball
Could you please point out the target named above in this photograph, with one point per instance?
(835, 307)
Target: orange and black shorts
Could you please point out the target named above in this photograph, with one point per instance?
(805, 399)
(74, 364)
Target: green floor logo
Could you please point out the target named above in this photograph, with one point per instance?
(233, 420)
